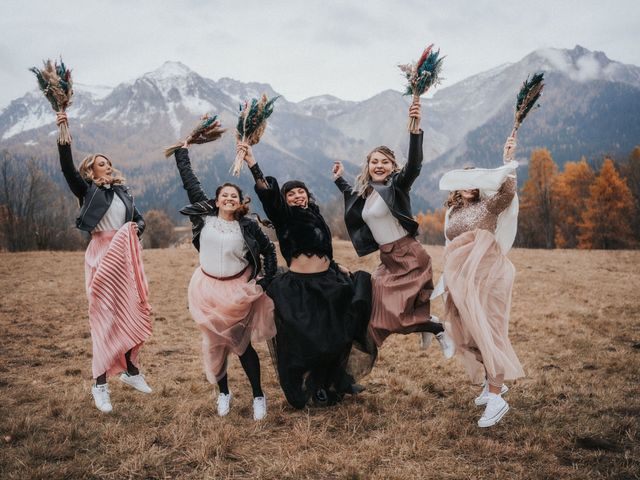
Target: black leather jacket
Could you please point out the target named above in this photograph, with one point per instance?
(395, 193)
(95, 200)
(201, 206)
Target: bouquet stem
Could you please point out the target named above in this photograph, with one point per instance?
(413, 122)
(64, 136)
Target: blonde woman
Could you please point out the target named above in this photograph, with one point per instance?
(378, 216)
(478, 278)
(116, 286)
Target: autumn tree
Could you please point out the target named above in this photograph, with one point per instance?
(432, 226)
(159, 231)
(537, 217)
(571, 191)
(610, 208)
(631, 173)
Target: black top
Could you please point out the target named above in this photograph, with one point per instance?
(95, 200)
(394, 192)
(300, 231)
(254, 238)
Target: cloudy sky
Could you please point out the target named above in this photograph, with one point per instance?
(301, 47)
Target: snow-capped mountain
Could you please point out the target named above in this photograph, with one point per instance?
(590, 107)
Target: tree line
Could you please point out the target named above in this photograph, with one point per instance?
(580, 207)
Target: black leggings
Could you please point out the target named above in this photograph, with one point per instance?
(131, 370)
(251, 365)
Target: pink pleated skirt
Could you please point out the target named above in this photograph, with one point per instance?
(401, 287)
(230, 313)
(119, 314)
(479, 281)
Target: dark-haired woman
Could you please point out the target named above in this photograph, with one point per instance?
(378, 217)
(480, 227)
(226, 299)
(116, 286)
(321, 309)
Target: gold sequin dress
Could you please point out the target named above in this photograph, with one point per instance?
(479, 281)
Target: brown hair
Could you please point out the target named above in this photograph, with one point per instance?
(455, 199)
(363, 179)
(86, 170)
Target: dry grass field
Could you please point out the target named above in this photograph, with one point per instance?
(575, 325)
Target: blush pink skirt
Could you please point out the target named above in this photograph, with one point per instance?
(479, 280)
(401, 287)
(119, 314)
(230, 313)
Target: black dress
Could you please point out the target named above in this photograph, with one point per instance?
(322, 344)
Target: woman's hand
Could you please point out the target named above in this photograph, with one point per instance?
(415, 111)
(338, 169)
(509, 151)
(243, 148)
(61, 117)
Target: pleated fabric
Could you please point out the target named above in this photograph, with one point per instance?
(402, 285)
(479, 281)
(230, 314)
(322, 341)
(117, 290)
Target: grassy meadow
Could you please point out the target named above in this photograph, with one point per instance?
(575, 325)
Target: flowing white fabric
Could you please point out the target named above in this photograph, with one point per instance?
(488, 181)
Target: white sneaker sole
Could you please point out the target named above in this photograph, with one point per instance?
(482, 399)
(123, 379)
(490, 422)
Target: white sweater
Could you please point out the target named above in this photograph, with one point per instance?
(383, 225)
(222, 248)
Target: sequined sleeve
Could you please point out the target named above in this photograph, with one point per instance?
(502, 199)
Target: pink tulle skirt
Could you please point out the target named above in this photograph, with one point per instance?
(230, 313)
(119, 314)
(401, 286)
(479, 280)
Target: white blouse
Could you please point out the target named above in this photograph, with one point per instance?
(114, 218)
(383, 225)
(222, 247)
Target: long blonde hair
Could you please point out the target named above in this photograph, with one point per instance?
(362, 187)
(86, 170)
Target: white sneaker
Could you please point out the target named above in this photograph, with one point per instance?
(425, 340)
(495, 410)
(446, 344)
(259, 408)
(101, 397)
(136, 381)
(224, 403)
(484, 396)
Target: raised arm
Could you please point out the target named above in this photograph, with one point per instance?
(338, 179)
(77, 184)
(267, 188)
(502, 199)
(189, 180)
(411, 170)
